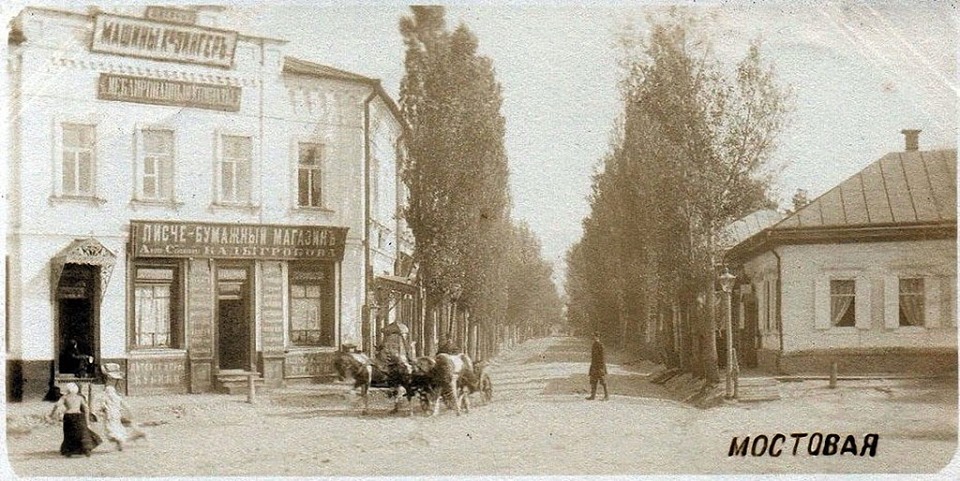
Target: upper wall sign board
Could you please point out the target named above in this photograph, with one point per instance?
(172, 42)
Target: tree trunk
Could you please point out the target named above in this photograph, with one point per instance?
(472, 341)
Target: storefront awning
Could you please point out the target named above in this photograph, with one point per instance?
(396, 283)
(86, 252)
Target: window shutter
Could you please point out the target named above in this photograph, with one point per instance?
(891, 302)
(821, 301)
(863, 303)
(948, 301)
(931, 302)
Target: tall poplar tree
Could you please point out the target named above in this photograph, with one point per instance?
(456, 167)
(692, 153)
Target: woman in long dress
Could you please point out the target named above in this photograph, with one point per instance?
(78, 438)
(113, 408)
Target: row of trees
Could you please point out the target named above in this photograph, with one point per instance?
(485, 280)
(692, 153)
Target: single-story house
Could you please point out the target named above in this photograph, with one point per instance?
(864, 275)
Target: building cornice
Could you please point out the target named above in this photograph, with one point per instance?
(102, 65)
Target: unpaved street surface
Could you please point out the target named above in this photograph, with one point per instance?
(537, 424)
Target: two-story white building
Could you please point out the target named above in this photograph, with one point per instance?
(191, 204)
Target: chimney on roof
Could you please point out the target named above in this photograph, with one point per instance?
(911, 139)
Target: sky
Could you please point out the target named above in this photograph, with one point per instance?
(860, 72)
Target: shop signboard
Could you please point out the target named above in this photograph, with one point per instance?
(137, 37)
(146, 90)
(237, 241)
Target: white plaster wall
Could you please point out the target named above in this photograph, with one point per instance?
(59, 84)
(872, 263)
(32, 326)
(353, 289)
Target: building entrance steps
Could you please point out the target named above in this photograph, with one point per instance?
(235, 381)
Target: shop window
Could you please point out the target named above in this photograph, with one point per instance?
(155, 307)
(843, 303)
(911, 302)
(309, 175)
(234, 169)
(155, 165)
(311, 305)
(78, 168)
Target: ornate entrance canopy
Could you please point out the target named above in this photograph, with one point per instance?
(87, 252)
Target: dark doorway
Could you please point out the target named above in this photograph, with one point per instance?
(233, 318)
(77, 310)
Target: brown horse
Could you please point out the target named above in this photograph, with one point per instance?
(453, 377)
(365, 374)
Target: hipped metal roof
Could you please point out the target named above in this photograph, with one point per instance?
(303, 67)
(901, 196)
(900, 188)
(747, 226)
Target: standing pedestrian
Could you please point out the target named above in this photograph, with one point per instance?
(113, 409)
(598, 369)
(77, 436)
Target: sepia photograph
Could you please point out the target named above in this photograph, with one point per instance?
(480, 239)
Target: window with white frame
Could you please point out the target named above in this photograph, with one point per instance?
(155, 306)
(843, 302)
(309, 175)
(234, 169)
(911, 301)
(78, 169)
(155, 165)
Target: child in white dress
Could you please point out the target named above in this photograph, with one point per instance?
(113, 409)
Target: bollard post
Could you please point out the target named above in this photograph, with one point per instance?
(833, 375)
(251, 388)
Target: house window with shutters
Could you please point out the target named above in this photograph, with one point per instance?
(843, 302)
(911, 312)
(914, 301)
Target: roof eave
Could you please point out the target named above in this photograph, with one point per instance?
(893, 232)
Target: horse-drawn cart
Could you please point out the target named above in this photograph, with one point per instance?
(446, 377)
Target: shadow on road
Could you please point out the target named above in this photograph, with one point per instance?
(349, 412)
(633, 385)
(50, 454)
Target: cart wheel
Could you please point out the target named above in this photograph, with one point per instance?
(486, 388)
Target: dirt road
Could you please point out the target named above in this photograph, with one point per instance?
(538, 424)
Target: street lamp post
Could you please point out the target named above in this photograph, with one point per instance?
(726, 283)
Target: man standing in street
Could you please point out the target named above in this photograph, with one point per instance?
(598, 369)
